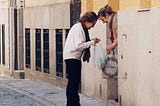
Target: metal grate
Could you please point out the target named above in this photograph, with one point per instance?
(46, 50)
(38, 49)
(0, 43)
(27, 48)
(59, 52)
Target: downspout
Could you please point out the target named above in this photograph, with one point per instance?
(75, 11)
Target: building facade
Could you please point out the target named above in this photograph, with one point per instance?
(4, 44)
(46, 25)
(11, 49)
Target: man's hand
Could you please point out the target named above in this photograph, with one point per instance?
(96, 40)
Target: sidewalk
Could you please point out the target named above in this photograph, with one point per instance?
(43, 93)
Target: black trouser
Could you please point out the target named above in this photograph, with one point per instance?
(73, 68)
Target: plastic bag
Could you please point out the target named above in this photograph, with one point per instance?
(99, 56)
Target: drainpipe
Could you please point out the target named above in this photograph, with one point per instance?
(12, 12)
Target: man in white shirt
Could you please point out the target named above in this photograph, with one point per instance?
(77, 45)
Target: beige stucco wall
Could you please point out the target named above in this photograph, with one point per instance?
(134, 4)
(86, 6)
(4, 3)
(30, 3)
(51, 16)
(4, 20)
(92, 5)
(131, 4)
(114, 4)
(155, 3)
(145, 3)
(97, 4)
(4, 69)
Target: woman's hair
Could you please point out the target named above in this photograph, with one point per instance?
(88, 17)
(105, 10)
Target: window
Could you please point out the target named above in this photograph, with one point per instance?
(15, 41)
(38, 49)
(59, 53)
(0, 43)
(46, 50)
(27, 48)
(66, 33)
(3, 44)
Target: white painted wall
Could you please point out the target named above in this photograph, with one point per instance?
(50, 16)
(140, 51)
(4, 20)
(155, 28)
(32, 3)
(93, 83)
(4, 3)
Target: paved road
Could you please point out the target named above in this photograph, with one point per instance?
(10, 97)
(20, 92)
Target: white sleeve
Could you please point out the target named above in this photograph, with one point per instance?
(80, 41)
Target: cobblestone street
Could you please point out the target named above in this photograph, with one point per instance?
(10, 97)
(19, 92)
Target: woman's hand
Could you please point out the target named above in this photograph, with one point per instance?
(111, 46)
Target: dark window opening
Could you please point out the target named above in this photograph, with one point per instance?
(0, 43)
(66, 33)
(46, 50)
(15, 39)
(59, 52)
(38, 50)
(27, 48)
(3, 44)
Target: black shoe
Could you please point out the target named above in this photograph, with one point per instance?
(116, 100)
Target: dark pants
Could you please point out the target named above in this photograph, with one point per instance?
(73, 68)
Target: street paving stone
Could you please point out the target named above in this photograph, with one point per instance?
(10, 97)
(22, 92)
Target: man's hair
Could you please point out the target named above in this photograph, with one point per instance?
(105, 10)
(88, 17)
